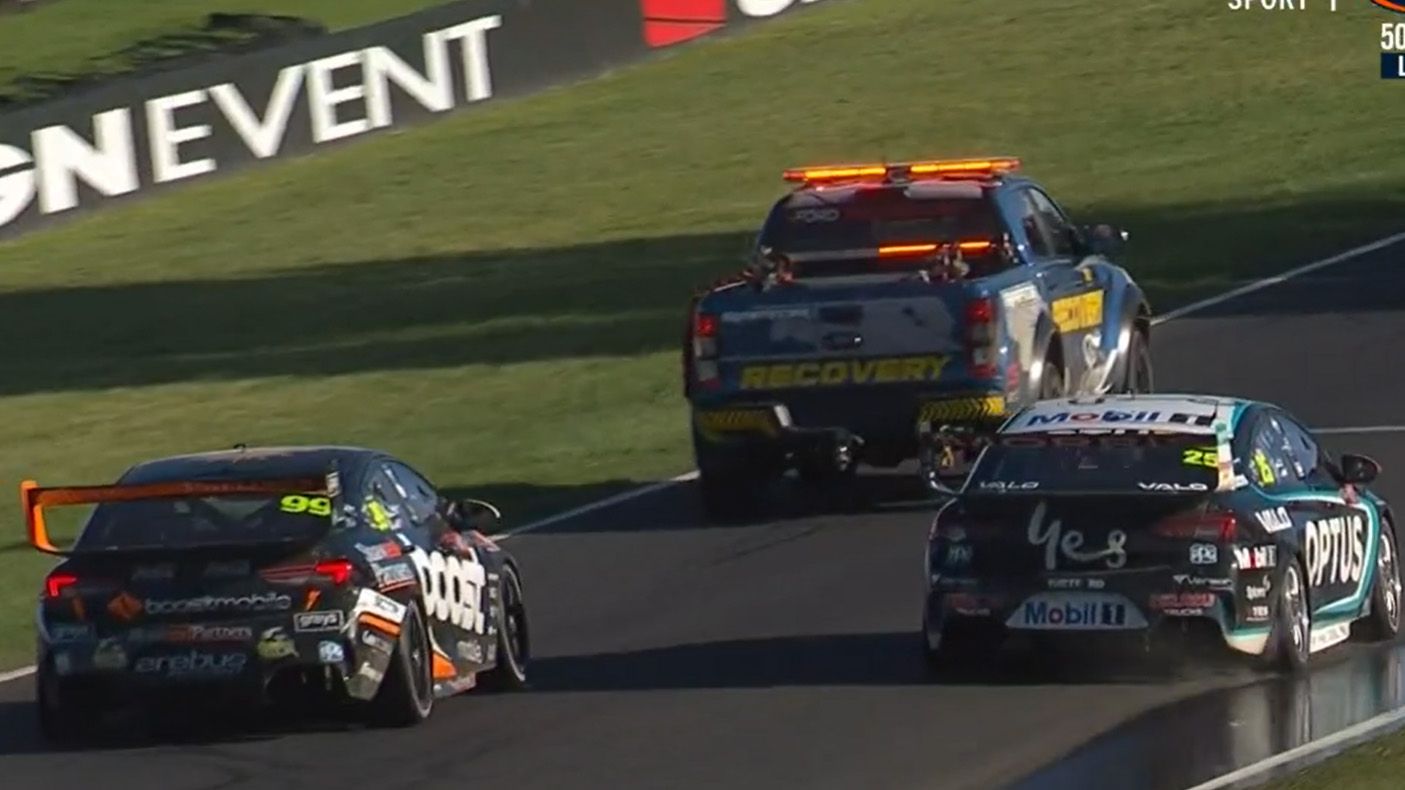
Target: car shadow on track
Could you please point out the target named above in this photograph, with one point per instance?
(19, 730)
(677, 507)
(871, 659)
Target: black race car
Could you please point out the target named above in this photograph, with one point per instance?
(339, 573)
(1124, 513)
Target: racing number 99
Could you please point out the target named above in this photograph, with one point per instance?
(312, 505)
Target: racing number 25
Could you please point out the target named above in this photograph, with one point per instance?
(312, 505)
(1200, 456)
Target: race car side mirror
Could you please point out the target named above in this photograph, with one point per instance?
(476, 514)
(1358, 469)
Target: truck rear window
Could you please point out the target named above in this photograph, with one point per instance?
(887, 219)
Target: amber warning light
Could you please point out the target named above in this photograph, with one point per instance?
(896, 171)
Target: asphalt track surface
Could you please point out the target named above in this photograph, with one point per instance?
(784, 653)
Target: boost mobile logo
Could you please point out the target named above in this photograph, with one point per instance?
(258, 603)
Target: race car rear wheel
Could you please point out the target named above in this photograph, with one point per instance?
(1383, 623)
(514, 646)
(1290, 635)
(951, 646)
(62, 716)
(406, 696)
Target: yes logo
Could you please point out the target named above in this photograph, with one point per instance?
(452, 588)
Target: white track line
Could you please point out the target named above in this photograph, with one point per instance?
(22, 672)
(1259, 285)
(1361, 429)
(1373, 725)
(625, 496)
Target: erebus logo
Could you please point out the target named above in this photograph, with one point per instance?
(193, 663)
(104, 157)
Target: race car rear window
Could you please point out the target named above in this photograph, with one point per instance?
(879, 218)
(206, 521)
(1037, 463)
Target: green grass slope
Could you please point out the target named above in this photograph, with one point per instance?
(65, 38)
(498, 296)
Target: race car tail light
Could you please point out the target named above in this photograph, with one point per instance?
(705, 349)
(57, 582)
(980, 336)
(1214, 525)
(339, 571)
(941, 168)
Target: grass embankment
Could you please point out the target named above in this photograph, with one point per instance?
(498, 296)
(63, 39)
(1376, 765)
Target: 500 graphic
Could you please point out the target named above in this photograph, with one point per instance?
(670, 22)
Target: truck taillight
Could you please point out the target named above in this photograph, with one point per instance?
(705, 349)
(980, 336)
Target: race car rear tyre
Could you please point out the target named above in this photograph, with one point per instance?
(1290, 634)
(949, 647)
(514, 644)
(62, 717)
(406, 696)
(1383, 623)
(1138, 379)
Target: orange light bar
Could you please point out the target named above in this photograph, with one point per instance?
(34, 499)
(899, 250)
(835, 172)
(931, 168)
(1003, 164)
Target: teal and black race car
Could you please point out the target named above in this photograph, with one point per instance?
(1124, 514)
(887, 305)
(298, 574)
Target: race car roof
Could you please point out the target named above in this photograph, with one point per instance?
(249, 463)
(1188, 414)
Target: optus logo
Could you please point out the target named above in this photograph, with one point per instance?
(670, 22)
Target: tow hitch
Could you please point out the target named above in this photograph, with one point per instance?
(946, 452)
